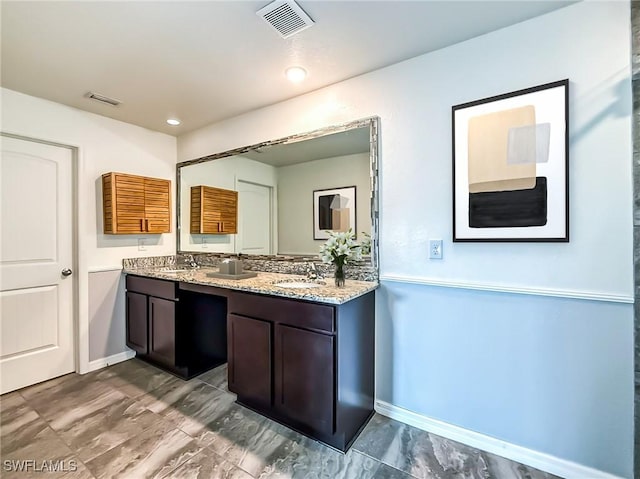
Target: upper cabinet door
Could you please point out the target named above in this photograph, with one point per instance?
(211, 216)
(157, 205)
(213, 210)
(128, 212)
(227, 202)
(135, 204)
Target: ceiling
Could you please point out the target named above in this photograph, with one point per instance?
(205, 61)
(344, 143)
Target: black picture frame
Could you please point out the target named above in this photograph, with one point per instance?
(325, 212)
(510, 170)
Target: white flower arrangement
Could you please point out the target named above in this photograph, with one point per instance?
(341, 248)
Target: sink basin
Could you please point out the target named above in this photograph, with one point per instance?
(299, 285)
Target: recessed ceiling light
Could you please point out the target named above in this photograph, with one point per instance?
(173, 122)
(296, 74)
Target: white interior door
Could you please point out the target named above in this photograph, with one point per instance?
(36, 247)
(254, 218)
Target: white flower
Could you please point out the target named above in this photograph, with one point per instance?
(341, 247)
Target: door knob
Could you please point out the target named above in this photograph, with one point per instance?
(66, 272)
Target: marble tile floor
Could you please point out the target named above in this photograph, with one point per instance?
(134, 421)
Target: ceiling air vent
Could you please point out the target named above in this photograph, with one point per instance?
(104, 99)
(286, 17)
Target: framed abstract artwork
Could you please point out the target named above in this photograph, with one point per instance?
(511, 166)
(333, 210)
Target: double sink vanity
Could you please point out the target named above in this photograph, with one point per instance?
(300, 352)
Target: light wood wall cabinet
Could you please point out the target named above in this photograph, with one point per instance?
(213, 210)
(135, 204)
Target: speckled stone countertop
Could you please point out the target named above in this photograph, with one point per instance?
(264, 283)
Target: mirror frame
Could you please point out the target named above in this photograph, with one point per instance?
(372, 122)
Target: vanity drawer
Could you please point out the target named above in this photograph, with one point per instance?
(158, 288)
(286, 311)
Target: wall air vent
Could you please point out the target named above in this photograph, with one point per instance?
(104, 99)
(286, 17)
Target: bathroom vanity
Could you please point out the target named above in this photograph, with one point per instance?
(179, 332)
(304, 357)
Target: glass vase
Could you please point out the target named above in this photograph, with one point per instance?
(339, 275)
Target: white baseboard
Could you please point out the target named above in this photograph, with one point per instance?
(108, 361)
(529, 457)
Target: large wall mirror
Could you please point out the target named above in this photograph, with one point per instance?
(286, 189)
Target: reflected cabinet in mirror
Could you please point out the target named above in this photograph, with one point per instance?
(280, 197)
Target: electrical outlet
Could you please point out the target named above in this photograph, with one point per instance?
(435, 249)
(142, 244)
(204, 243)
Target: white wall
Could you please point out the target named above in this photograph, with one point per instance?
(103, 145)
(576, 354)
(107, 315)
(222, 173)
(296, 184)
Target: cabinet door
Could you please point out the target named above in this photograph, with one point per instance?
(249, 356)
(129, 204)
(196, 210)
(162, 331)
(213, 210)
(137, 322)
(228, 205)
(157, 209)
(211, 217)
(220, 209)
(304, 377)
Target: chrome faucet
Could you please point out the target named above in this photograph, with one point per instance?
(312, 272)
(190, 261)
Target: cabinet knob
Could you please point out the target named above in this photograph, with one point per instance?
(66, 272)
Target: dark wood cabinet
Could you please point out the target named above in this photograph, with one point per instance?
(184, 334)
(307, 365)
(162, 331)
(137, 324)
(304, 377)
(249, 342)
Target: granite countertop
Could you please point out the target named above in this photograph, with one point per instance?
(265, 283)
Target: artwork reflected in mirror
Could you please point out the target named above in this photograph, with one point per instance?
(289, 193)
(334, 210)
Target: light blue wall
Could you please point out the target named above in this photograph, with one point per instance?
(552, 375)
(549, 374)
